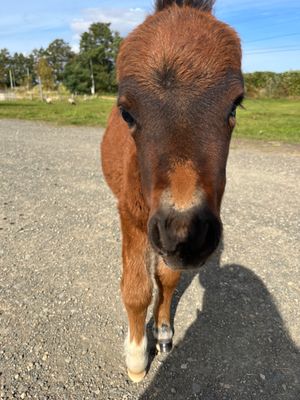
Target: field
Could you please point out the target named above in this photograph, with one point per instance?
(89, 113)
(267, 119)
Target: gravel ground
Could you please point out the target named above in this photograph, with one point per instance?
(62, 323)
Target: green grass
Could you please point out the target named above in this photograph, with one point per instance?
(267, 119)
(90, 113)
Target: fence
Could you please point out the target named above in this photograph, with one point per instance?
(7, 96)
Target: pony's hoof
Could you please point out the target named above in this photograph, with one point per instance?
(136, 377)
(164, 347)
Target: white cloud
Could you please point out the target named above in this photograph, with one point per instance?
(122, 20)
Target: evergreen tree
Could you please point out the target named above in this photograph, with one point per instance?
(5, 60)
(21, 67)
(58, 54)
(97, 58)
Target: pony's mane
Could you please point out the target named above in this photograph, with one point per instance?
(203, 5)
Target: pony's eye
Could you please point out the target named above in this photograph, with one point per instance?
(233, 111)
(238, 103)
(127, 117)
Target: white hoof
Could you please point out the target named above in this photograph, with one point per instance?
(136, 358)
(136, 377)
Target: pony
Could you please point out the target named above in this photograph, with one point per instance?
(164, 156)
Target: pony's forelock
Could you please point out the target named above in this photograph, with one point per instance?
(203, 5)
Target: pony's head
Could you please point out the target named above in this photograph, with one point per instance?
(180, 82)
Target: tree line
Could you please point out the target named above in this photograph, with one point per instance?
(272, 85)
(90, 70)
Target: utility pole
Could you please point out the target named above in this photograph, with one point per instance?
(11, 80)
(28, 78)
(92, 77)
(14, 78)
(28, 83)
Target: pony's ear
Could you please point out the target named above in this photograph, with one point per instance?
(203, 5)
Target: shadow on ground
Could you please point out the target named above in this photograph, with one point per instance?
(238, 347)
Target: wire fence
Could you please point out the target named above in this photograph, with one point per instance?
(47, 96)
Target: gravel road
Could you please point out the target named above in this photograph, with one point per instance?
(62, 323)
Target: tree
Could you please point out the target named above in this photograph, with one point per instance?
(19, 68)
(45, 73)
(4, 68)
(77, 77)
(58, 54)
(57, 63)
(97, 57)
(22, 68)
(98, 36)
(37, 54)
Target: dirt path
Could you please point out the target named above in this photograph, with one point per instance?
(62, 325)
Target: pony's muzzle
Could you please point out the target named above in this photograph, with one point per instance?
(184, 239)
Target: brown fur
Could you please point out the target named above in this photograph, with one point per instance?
(167, 281)
(179, 73)
(180, 40)
(183, 181)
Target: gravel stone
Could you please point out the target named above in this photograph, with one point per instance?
(196, 388)
(237, 319)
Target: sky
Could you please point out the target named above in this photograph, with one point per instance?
(269, 29)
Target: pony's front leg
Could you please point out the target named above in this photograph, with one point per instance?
(136, 287)
(167, 281)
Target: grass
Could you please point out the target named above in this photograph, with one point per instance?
(89, 113)
(267, 119)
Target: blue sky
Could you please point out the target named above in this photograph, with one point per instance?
(269, 29)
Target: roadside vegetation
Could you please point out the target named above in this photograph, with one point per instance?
(91, 112)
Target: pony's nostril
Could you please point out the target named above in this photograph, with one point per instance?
(203, 233)
(161, 235)
(184, 239)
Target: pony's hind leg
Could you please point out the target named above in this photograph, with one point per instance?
(136, 287)
(167, 281)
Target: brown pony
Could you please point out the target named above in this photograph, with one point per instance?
(164, 155)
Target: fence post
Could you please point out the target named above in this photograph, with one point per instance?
(41, 88)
